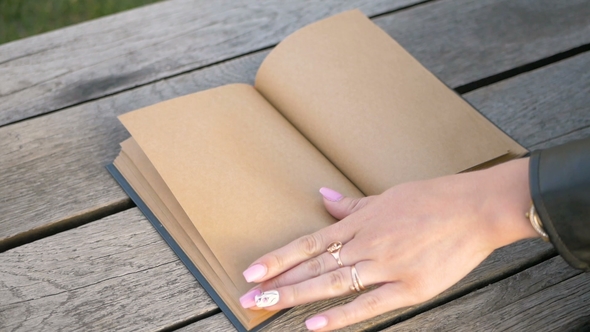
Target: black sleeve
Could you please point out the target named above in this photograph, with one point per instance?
(560, 188)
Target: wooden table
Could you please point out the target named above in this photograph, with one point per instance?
(77, 255)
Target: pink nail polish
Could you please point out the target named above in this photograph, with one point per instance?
(316, 322)
(330, 194)
(247, 300)
(255, 272)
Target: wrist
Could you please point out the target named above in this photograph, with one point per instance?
(506, 200)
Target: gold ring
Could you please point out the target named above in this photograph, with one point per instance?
(357, 284)
(334, 250)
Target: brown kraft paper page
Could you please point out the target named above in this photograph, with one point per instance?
(244, 176)
(371, 108)
(154, 192)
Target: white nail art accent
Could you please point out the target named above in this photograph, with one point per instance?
(267, 299)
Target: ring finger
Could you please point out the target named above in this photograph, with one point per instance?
(328, 285)
(312, 268)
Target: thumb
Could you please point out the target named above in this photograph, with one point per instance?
(340, 206)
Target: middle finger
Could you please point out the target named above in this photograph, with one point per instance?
(314, 267)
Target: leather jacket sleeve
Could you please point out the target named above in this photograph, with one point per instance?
(560, 189)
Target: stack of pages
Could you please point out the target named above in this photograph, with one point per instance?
(229, 174)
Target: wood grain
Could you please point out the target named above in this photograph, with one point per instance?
(113, 274)
(214, 323)
(502, 263)
(116, 273)
(65, 68)
(553, 102)
(551, 296)
(570, 136)
(94, 59)
(526, 107)
(482, 38)
(52, 170)
(52, 167)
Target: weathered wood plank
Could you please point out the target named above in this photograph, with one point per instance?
(92, 276)
(548, 297)
(64, 68)
(214, 323)
(574, 135)
(114, 53)
(113, 274)
(86, 294)
(494, 101)
(561, 88)
(553, 102)
(482, 38)
(52, 166)
(501, 263)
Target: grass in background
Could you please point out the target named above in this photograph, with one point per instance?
(23, 18)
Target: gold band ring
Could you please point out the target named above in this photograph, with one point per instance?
(357, 284)
(334, 250)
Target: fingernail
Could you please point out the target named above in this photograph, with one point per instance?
(247, 300)
(267, 299)
(331, 195)
(255, 272)
(316, 322)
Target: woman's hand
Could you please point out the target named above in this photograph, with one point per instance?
(414, 241)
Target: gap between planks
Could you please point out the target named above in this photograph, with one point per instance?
(115, 207)
(474, 96)
(66, 224)
(384, 321)
(501, 259)
(119, 267)
(80, 84)
(466, 88)
(95, 214)
(66, 67)
(547, 297)
(187, 71)
(419, 22)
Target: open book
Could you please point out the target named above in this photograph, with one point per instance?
(233, 172)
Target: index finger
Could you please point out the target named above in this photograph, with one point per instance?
(299, 250)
